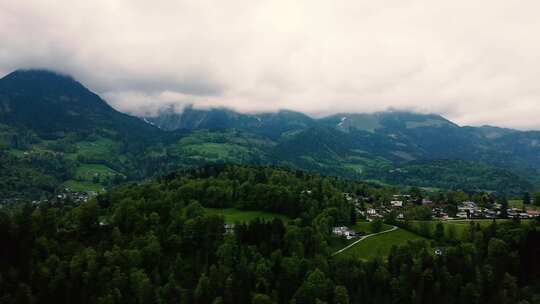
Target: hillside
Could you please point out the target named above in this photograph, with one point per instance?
(60, 134)
(374, 145)
(243, 234)
(54, 132)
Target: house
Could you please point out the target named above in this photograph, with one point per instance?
(347, 196)
(371, 212)
(396, 203)
(462, 215)
(513, 213)
(426, 202)
(229, 228)
(490, 213)
(533, 213)
(523, 215)
(344, 231)
(469, 207)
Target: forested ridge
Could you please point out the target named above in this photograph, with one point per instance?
(154, 242)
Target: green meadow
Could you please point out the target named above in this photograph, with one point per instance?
(233, 215)
(380, 245)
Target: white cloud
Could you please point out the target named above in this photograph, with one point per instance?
(473, 61)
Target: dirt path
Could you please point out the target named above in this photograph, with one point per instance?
(363, 238)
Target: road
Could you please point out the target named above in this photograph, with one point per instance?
(363, 238)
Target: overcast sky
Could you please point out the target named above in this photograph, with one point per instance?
(475, 62)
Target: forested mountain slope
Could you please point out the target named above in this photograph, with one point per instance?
(155, 242)
(63, 135)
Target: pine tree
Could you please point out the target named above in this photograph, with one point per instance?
(526, 198)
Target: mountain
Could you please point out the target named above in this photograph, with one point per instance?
(55, 133)
(397, 136)
(348, 122)
(269, 124)
(52, 104)
(373, 145)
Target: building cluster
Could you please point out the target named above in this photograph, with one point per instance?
(471, 210)
(67, 197)
(399, 203)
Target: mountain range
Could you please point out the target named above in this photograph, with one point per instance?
(56, 133)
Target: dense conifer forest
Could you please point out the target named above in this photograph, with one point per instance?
(155, 242)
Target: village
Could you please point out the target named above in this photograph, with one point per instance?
(400, 208)
(65, 196)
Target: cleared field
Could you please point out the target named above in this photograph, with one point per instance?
(366, 227)
(519, 205)
(88, 171)
(380, 245)
(215, 151)
(240, 216)
(459, 226)
(83, 186)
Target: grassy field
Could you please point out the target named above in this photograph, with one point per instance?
(83, 186)
(380, 245)
(519, 205)
(98, 149)
(86, 172)
(240, 216)
(366, 227)
(337, 243)
(515, 204)
(459, 226)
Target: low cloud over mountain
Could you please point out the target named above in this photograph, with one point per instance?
(474, 62)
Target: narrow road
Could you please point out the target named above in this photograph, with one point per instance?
(363, 238)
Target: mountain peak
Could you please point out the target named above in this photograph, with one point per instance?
(41, 81)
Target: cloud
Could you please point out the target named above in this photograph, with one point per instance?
(472, 61)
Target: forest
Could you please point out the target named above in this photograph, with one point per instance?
(153, 242)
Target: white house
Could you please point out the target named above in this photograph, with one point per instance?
(344, 231)
(427, 202)
(462, 215)
(371, 212)
(396, 203)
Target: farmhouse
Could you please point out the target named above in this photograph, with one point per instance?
(344, 231)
